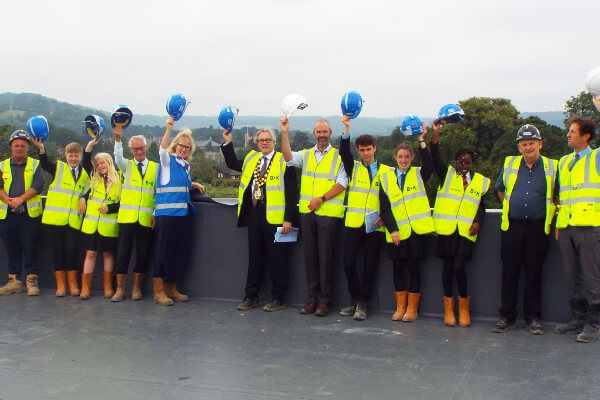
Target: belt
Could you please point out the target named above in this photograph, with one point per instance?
(526, 221)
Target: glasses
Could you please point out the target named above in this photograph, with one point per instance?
(137, 148)
(269, 140)
(184, 147)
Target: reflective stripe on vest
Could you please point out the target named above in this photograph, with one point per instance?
(363, 195)
(137, 195)
(62, 202)
(105, 224)
(34, 204)
(318, 179)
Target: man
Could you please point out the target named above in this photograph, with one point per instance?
(322, 187)
(579, 229)
(135, 213)
(363, 199)
(267, 199)
(526, 187)
(20, 214)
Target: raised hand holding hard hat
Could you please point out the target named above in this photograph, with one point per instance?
(94, 126)
(176, 105)
(121, 116)
(351, 104)
(411, 125)
(38, 127)
(450, 114)
(293, 102)
(227, 117)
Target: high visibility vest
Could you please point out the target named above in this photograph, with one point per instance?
(363, 195)
(275, 187)
(509, 177)
(137, 195)
(411, 206)
(173, 199)
(105, 224)
(62, 202)
(456, 206)
(34, 204)
(318, 179)
(579, 192)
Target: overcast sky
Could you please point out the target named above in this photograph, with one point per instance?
(403, 57)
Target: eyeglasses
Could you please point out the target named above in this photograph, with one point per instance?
(184, 147)
(137, 148)
(268, 140)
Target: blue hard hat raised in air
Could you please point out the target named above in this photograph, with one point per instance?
(411, 125)
(176, 105)
(121, 116)
(38, 127)
(227, 117)
(450, 114)
(94, 126)
(352, 103)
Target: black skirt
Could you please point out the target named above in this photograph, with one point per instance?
(97, 242)
(454, 245)
(409, 248)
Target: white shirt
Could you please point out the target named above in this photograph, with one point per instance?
(122, 161)
(298, 160)
(165, 163)
(262, 161)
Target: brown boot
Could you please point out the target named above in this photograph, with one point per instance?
(61, 283)
(120, 292)
(86, 286)
(32, 285)
(159, 293)
(411, 313)
(108, 288)
(464, 316)
(136, 291)
(12, 286)
(449, 318)
(400, 305)
(72, 281)
(171, 291)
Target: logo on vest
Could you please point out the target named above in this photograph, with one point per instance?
(409, 188)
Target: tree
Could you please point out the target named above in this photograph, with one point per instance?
(582, 105)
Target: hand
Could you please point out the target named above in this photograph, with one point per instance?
(103, 209)
(92, 143)
(118, 131)
(286, 227)
(556, 230)
(315, 204)
(227, 136)
(82, 206)
(152, 221)
(379, 222)
(596, 101)
(422, 134)
(474, 229)
(170, 123)
(346, 121)
(197, 186)
(395, 238)
(284, 125)
(14, 202)
(436, 125)
(38, 143)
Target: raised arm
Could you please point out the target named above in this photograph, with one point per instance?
(45, 162)
(427, 167)
(286, 148)
(86, 163)
(345, 151)
(118, 150)
(164, 143)
(228, 151)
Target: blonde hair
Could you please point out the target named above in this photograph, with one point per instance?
(113, 176)
(185, 134)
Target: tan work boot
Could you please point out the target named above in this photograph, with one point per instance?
(136, 291)
(159, 293)
(32, 285)
(120, 292)
(72, 281)
(464, 315)
(411, 313)
(449, 317)
(12, 286)
(86, 286)
(171, 291)
(400, 305)
(108, 288)
(61, 283)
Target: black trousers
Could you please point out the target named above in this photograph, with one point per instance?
(263, 253)
(172, 246)
(67, 252)
(319, 242)
(523, 245)
(128, 233)
(20, 234)
(357, 238)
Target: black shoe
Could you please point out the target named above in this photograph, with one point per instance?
(361, 311)
(248, 304)
(575, 326)
(502, 326)
(349, 310)
(275, 305)
(534, 327)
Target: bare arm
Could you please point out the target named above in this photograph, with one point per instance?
(164, 143)
(501, 195)
(317, 201)
(286, 148)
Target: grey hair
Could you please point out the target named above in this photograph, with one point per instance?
(138, 137)
(265, 130)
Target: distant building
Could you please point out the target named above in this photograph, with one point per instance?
(208, 144)
(221, 171)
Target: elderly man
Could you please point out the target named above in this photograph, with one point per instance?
(20, 214)
(322, 187)
(526, 187)
(267, 198)
(135, 213)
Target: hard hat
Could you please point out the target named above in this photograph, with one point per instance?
(293, 102)
(528, 132)
(94, 126)
(351, 104)
(412, 125)
(19, 134)
(592, 81)
(38, 127)
(227, 117)
(450, 114)
(121, 116)
(176, 105)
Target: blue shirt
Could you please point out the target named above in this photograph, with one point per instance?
(373, 168)
(401, 178)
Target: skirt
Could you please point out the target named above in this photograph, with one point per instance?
(454, 245)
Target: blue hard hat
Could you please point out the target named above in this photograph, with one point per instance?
(227, 117)
(450, 114)
(412, 125)
(352, 103)
(176, 105)
(94, 126)
(38, 127)
(121, 116)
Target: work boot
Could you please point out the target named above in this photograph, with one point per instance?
(503, 325)
(400, 305)
(108, 288)
(361, 311)
(159, 293)
(591, 330)
(12, 286)
(579, 309)
(464, 315)
(120, 292)
(32, 285)
(72, 281)
(86, 286)
(61, 283)
(349, 310)
(411, 313)
(171, 291)
(449, 317)
(136, 291)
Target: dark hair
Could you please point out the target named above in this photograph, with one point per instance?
(404, 146)
(463, 152)
(365, 140)
(586, 126)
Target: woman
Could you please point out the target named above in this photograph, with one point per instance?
(406, 215)
(457, 218)
(174, 211)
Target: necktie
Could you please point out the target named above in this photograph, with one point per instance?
(575, 159)
(105, 180)
(263, 168)
(140, 165)
(370, 173)
(465, 183)
(74, 174)
(402, 178)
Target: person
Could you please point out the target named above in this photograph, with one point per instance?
(135, 217)
(173, 212)
(406, 215)
(321, 205)
(267, 198)
(61, 218)
(457, 216)
(100, 229)
(20, 211)
(363, 199)
(525, 186)
(578, 229)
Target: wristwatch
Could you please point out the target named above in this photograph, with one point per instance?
(323, 198)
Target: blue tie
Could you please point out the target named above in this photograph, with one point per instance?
(402, 177)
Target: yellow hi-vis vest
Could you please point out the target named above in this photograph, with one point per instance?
(275, 186)
(62, 202)
(34, 204)
(456, 206)
(363, 195)
(137, 195)
(106, 224)
(579, 192)
(509, 177)
(318, 179)
(411, 206)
